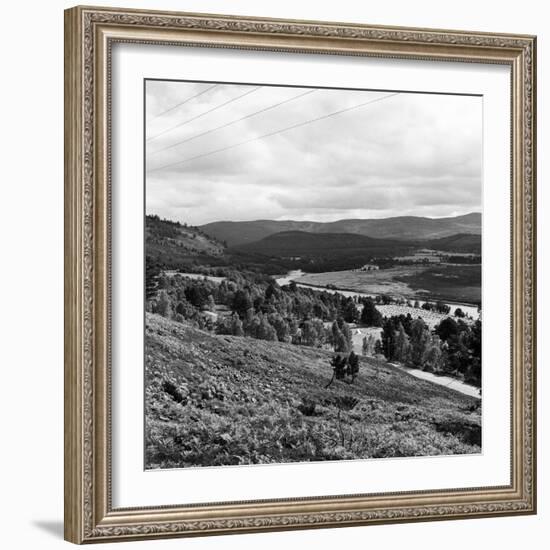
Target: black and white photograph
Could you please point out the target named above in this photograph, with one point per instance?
(313, 268)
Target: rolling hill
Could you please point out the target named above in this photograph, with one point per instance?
(214, 400)
(304, 244)
(463, 242)
(402, 228)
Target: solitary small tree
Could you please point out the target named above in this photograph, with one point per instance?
(338, 364)
(344, 367)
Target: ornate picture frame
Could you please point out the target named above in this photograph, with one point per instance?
(90, 34)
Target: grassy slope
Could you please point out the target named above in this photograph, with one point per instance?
(217, 400)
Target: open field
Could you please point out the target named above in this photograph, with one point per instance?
(431, 318)
(195, 276)
(217, 400)
(460, 283)
(359, 332)
(382, 281)
(450, 283)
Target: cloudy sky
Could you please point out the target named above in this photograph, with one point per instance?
(239, 152)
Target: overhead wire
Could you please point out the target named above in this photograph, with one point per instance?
(270, 134)
(230, 123)
(211, 110)
(184, 102)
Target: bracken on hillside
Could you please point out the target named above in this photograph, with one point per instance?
(220, 400)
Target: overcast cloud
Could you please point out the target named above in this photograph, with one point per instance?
(404, 154)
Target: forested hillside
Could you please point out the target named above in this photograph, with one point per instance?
(302, 243)
(172, 244)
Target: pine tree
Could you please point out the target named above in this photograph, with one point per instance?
(350, 311)
(338, 364)
(388, 338)
(164, 305)
(319, 330)
(266, 331)
(433, 356)
(402, 346)
(447, 328)
(459, 313)
(473, 372)
(241, 303)
(236, 326)
(308, 333)
(294, 331)
(420, 340)
(152, 274)
(210, 304)
(370, 316)
(281, 327)
(251, 325)
(338, 338)
(346, 331)
(353, 366)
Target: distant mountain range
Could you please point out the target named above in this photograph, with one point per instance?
(180, 246)
(406, 228)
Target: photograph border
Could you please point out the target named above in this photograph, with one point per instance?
(89, 36)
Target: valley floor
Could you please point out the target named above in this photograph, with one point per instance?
(457, 284)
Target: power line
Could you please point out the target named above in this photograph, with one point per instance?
(184, 101)
(212, 109)
(265, 109)
(300, 124)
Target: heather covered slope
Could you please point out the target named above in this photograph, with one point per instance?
(217, 400)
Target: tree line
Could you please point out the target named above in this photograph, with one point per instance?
(257, 307)
(453, 347)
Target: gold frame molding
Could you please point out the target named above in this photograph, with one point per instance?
(89, 34)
